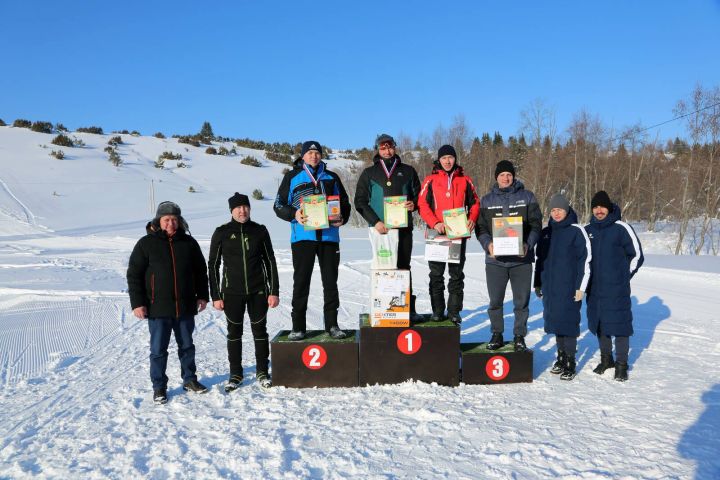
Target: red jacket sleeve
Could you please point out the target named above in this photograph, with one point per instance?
(426, 212)
(473, 201)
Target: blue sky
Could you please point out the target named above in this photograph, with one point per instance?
(341, 72)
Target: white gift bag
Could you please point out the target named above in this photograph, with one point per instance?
(384, 249)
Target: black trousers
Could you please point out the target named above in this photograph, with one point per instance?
(405, 244)
(566, 344)
(303, 256)
(456, 285)
(257, 307)
(622, 346)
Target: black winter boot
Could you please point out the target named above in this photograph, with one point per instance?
(519, 343)
(606, 361)
(559, 365)
(455, 305)
(414, 317)
(437, 301)
(621, 372)
(496, 341)
(569, 371)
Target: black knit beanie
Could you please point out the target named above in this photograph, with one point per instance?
(446, 150)
(601, 199)
(311, 145)
(238, 200)
(504, 166)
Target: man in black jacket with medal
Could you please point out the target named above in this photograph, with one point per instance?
(167, 283)
(249, 280)
(389, 177)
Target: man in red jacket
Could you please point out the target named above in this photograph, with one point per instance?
(446, 188)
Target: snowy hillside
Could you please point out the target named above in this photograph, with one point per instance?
(76, 397)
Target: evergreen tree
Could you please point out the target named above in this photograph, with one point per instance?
(206, 132)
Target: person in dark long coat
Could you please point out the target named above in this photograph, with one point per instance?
(617, 256)
(562, 273)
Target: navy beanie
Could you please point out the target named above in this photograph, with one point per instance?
(310, 145)
(238, 200)
(504, 166)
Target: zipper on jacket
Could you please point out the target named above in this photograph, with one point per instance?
(242, 245)
(172, 254)
(152, 288)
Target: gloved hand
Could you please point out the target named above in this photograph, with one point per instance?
(538, 292)
(579, 294)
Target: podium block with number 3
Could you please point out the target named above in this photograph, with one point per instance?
(487, 367)
(316, 361)
(426, 352)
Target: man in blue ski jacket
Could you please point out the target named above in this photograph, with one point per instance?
(310, 176)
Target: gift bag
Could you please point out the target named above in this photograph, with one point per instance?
(384, 249)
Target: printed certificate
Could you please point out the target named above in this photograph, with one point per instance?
(507, 236)
(455, 221)
(396, 215)
(315, 209)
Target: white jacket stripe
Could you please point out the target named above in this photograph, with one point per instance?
(588, 258)
(636, 245)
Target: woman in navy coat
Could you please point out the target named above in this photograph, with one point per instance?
(617, 256)
(562, 272)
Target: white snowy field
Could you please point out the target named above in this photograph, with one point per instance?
(76, 397)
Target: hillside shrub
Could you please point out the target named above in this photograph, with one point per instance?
(95, 130)
(189, 139)
(279, 157)
(42, 127)
(114, 158)
(109, 149)
(159, 163)
(252, 161)
(60, 127)
(258, 194)
(135, 133)
(59, 154)
(181, 165)
(62, 141)
(116, 140)
(2, 124)
(166, 155)
(22, 123)
(191, 189)
(158, 135)
(211, 151)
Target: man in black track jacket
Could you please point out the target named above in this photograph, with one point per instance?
(167, 283)
(249, 280)
(388, 177)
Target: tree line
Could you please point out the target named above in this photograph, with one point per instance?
(650, 179)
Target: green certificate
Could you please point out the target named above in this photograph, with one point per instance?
(455, 221)
(315, 209)
(395, 212)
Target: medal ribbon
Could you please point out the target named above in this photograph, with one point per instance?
(392, 169)
(450, 177)
(309, 172)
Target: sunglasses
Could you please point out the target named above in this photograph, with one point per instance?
(386, 146)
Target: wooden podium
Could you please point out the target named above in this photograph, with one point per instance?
(426, 351)
(316, 361)
(487, 367)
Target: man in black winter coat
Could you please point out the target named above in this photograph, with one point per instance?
(249, 280)
(389, 177)
(167, 283)
(509, 198)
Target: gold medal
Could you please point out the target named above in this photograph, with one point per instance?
(389, 183)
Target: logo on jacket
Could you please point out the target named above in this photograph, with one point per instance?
(233, 237)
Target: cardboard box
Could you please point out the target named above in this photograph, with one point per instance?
(390, 298)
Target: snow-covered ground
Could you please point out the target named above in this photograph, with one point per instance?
(76, 397)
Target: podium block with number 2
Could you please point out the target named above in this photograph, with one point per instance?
(316, 361)
(426, 352)
(487, 367)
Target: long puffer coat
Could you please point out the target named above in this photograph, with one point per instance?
(561, 268)
(616, 257)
